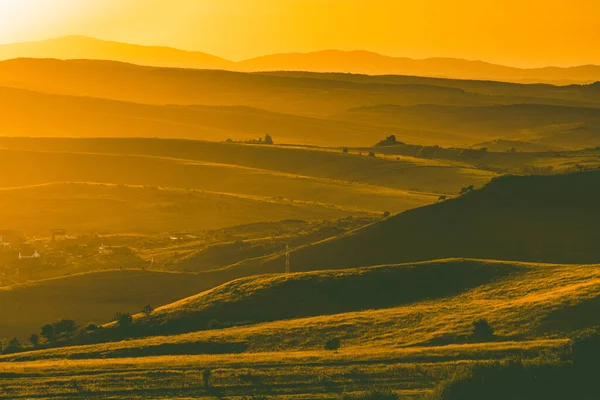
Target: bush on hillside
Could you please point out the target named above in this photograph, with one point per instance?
(333, 344)
(48, 333)
(147, 310)
(34, 340)
(12, 346)
(482, 330)
(64, 328)
(389, 141)
(124, 320)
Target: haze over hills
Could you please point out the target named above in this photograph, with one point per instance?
(360, 110)
(360, 62)
(81, 47)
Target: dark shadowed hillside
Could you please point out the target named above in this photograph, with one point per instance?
(530, 218)
(258, 299)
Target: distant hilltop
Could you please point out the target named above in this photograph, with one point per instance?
(358, 62)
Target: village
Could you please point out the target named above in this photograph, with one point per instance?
(25, 258)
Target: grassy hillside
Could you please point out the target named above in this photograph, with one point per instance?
(91, 297)
(412, 373)
(410, 348)
(87, 207)
(258, 299)
(28, 113)
(578, 126)
(529, 218)
(516, 305)
(301, 174)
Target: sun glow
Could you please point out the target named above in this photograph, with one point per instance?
(23, 19)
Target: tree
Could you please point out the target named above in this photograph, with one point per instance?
(333, 344)
(389, 141)
(148, 309)
(64, 328)
(345, 150)
(48, 332)
(268, 139)
(371, 154)
(13, 345)
(34, 340)
(124, 320)
(482, 330)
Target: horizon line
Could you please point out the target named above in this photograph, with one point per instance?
(239, 61)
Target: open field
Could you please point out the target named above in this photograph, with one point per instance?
(105, 207)
(409, 348)
(412, 373)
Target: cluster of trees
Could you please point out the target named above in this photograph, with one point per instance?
(67, 332)
(389, 141)
(266, 140)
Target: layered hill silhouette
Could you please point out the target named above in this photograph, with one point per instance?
(528, 218)
(360, 110)
(546, 124)
(82, 47)
(361, 62)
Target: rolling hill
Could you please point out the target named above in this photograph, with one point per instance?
(167, 86)
(93, 207)
(81, 47)
(28, 113)
(529, 218)
(237, 168)
(516, 298)
(362, 62)
(530, 122)
(258, 299)
(365, 62)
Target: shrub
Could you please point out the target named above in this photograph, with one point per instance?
(333, 344)
(48, 332)
(91, 327)
(12, 346)
(148, 309)
(34, 340)
(482, 330)
(124, 320)
(64, 328)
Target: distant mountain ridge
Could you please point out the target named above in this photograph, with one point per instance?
(82, 47)
(360, 62)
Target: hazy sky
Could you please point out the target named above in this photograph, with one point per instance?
(516, 32)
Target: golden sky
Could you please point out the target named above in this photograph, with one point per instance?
(513, 32)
